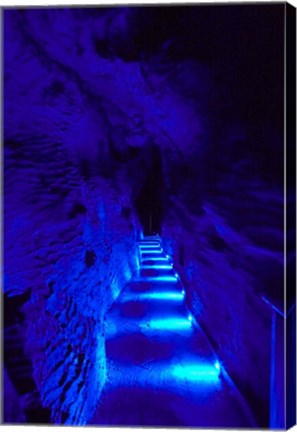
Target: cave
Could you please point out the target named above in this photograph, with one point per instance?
(150, 199)
(143, 153)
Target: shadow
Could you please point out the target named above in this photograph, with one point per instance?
(148, 203)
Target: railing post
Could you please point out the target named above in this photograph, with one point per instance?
(272, 402)
(277, 368)
(277, 371)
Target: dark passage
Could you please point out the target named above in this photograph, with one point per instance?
(149, 201)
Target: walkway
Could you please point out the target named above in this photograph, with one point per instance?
(161, 368)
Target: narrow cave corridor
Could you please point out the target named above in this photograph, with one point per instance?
(151, 197)
(143, 219)
(161, 369)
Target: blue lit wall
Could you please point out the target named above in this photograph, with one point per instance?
(69, 231)
(89, 94)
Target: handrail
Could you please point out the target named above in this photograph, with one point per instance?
(265, 299)
(281, 313)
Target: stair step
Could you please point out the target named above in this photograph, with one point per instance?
(161, 365)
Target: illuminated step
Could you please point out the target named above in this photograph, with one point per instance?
(149, 243)
(157, 275)
(157, 267)
(176, 296)
(148, 256)
(154, 251)
(160, 278)
(146, 250)
(167, 296)
(150, 248)
(207, 373)
(157, 259)
(170, 324)
(145, 246)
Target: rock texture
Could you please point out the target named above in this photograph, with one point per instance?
(227, 275)
(69, 236)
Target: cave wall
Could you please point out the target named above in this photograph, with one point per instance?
(224, 226)
(69, 237)
(82, 103)
(66, 263)
(225, 275)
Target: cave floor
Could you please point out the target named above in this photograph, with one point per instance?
(161, 369)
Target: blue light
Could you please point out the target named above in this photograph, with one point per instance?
(156, 259)
(162, 296)
(183, 292)
(156, 267)
(168, 324)
(161, 278)
(217, 366)
(201, 372)
(149, 246)
(148, 251)
(190, 318)
(152, 251)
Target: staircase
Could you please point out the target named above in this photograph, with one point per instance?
(161, 369)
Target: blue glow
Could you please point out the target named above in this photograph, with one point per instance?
(161, 278)
(207, 373)
(146, 250)
(217, 366)
(168, 324)
(162, 296)
(156, 259)
(156, 267)
(149, 246)
(152, 251)
(190, 318)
